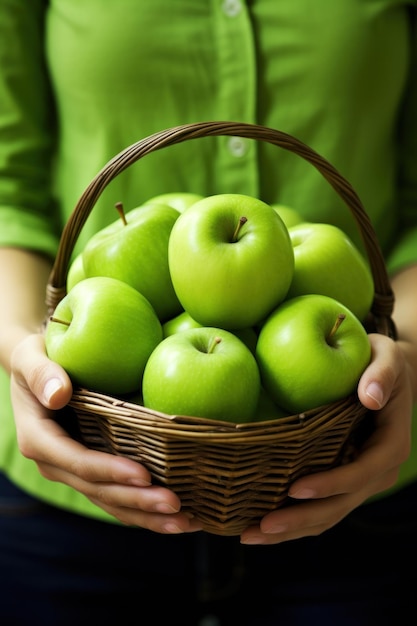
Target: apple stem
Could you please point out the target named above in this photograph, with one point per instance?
(58, 321)
(121, 212)
(242, 220)
(213, 343)
(336, 325)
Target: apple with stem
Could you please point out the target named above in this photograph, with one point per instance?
(202, 372)
(134, 249)
(327, 262)
(184, 321)
(311, 351)
(102, 333)
(231, 260)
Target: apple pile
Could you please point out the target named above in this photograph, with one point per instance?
(221, 307)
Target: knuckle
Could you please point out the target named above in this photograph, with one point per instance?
(26, 448)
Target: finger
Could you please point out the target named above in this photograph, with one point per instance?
(108, 481)
(44, 441)
(151, 499)
(377, 463)
(310, 518)
(56, 454)
(367, 475)
(99, 476)
(33, 371)
(380, 377)
(172, 524)
(302, 520)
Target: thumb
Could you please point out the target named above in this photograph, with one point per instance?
(34, 371)
(379, 378)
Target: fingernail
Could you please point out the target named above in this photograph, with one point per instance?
(138, 482)
(51, 387)
(172, 528)
(375, 392)
(253, 541)
(163, 507)
(303, 494)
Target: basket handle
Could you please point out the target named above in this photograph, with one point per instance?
(383, 303)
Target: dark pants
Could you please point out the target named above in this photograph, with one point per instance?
(58, 569)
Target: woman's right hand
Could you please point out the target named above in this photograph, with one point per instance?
(120, 486)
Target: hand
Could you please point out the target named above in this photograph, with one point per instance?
(119, 486)
(327, 497)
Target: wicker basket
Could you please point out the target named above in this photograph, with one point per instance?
(228, 475)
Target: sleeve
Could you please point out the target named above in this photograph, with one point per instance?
(28, 216)
(405, 251)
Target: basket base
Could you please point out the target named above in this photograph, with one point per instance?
(227, 476)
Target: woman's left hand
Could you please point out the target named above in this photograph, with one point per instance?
(325, 498)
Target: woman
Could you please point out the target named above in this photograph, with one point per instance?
(85, 535)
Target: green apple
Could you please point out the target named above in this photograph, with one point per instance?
(249, 336)
(179, 323)
(289, 216)
(76, 272)
(134, 249)
(179, 200)
(311, 351)
(202, 372)
(102, 333)
(231, 260)
(184, 321)
(327, 262)
(267, 409)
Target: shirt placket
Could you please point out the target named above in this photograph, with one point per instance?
(236, 75)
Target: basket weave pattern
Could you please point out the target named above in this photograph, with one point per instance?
(227, 475)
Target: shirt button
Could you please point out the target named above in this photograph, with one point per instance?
(231, 8)
(237, 146)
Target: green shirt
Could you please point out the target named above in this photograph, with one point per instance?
(80, 81)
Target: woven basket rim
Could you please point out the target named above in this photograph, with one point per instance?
(198, 428)
(85, 398)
